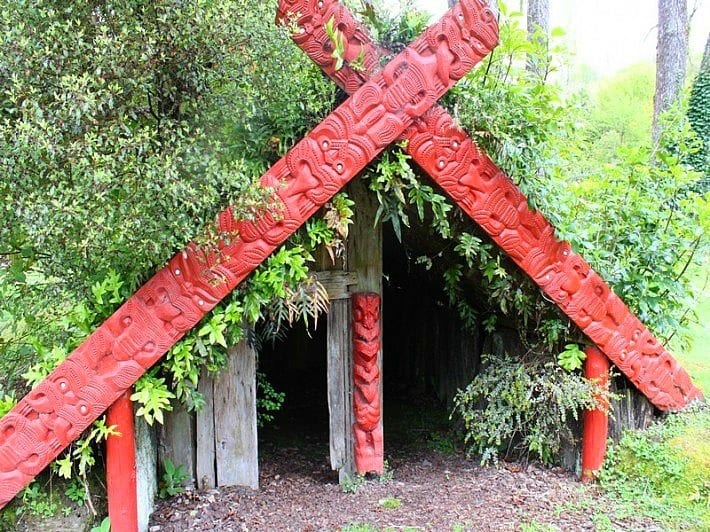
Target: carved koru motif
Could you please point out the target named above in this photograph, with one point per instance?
(369, 449)
(44, 422)
(489, 197)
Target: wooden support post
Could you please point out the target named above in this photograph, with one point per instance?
(236, 446)
(121, 467)
(340, 398)
(596, 422)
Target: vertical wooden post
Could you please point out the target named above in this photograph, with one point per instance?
(236, 443)
(596, 422)
(121, 467)
(340, 399)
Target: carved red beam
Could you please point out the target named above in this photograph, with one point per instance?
(62, 406)
(489, 197)
(369, 446)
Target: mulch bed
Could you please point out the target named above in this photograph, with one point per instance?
(434, 490)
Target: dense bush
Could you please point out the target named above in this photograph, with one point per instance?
(521, 409)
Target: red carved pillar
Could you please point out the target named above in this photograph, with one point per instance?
(596, 422)
(121, 467)
(369, 448)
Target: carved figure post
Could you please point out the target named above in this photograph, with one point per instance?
(367, 401)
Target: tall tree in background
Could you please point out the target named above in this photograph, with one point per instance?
(539, 33)
(671, 57)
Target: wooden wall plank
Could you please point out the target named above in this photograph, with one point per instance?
(339, 376)
(177, 436)
(206, 467)
(236, 447)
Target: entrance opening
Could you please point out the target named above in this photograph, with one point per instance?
(428, 352)
(297, 439)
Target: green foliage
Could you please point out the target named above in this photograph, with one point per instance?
(621, 112)
(105, 526)
(171, 483)
(389, 503)
(76, 461)
(663, 471)
(7, 401)
(394, 29)
(699, 116)
(351, 483)
(572, 358)
(154, 397)
(36, 501)
(358, 527)
(103, 120)
(268, 400)
(520, 407)
(76, 492)
(125, 128)
(337, 42)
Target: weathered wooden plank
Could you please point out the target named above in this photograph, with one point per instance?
(364, 249)
(337, 283)
(146, 471)
(339, 375)
(206, 472)
(236, 448)
(177, 436)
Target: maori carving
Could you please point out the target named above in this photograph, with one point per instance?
(369, 448)
(44, 422)
(490, 198)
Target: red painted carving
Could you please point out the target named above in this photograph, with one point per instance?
(490, 198)
(596, 422)
(369, 449)
(45, 421)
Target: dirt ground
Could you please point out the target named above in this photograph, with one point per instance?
(428, 490)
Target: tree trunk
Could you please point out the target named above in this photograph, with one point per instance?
(671, 58)
(539, 33)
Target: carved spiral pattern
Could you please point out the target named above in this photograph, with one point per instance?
(369, 448)
(50, 417)
(489, 197)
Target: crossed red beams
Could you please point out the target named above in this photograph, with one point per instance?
(56, 412)
(62, 406)
(487, 195)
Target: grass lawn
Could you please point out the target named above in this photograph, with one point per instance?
(664, 473)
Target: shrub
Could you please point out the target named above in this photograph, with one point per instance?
(521, 408)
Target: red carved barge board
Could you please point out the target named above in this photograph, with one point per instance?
(489, 197)
(58, 410)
